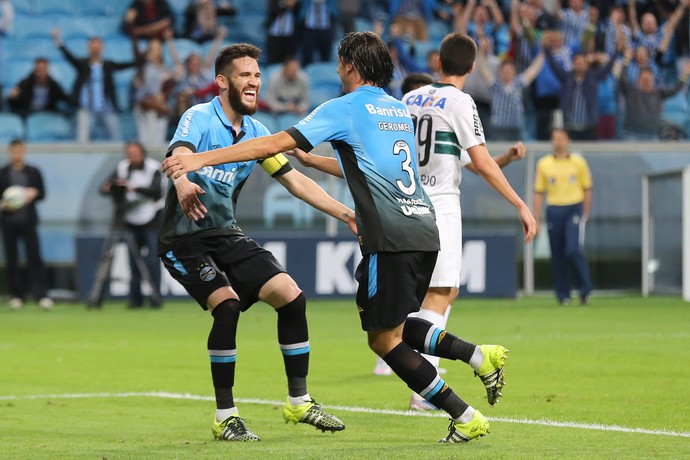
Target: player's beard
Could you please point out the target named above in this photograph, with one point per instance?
(235, 101)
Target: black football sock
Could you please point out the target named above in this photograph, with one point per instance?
(293, 338)
(423, 336)
(222, 352)
(422, 378)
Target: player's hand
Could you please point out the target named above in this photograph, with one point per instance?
(517, 151)
(181, 163)
(188, 195)
(30, 194)
(529, 223)
(300, 155)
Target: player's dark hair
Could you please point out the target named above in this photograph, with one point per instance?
(16, 141)
(368, 54)
(40, 59)
(236, 51)
(414, 81)
(457, 53)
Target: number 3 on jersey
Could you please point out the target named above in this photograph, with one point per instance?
(406, 165)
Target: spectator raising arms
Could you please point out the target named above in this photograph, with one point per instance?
(507, 109)
(152, 85)
(94, 88)
(643, 101)
(148, 19)
(38, 92)
(193, 76)
(201, 19)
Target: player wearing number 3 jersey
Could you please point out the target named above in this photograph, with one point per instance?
(372, 135)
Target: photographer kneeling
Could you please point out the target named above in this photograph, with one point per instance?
(136, 189)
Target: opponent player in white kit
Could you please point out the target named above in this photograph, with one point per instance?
(449, 135)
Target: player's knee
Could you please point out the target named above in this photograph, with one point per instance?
(297, 306)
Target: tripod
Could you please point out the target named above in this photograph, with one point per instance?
(117, 233)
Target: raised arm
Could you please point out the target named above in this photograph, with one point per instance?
(557, 68)
(482, 65)
(215, 46)
(496, 13)
(531, 72)
(632, 15)
(463, 19)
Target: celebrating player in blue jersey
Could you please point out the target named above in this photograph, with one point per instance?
(373, 137)
(224, 271)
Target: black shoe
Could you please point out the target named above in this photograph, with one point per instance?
(135, 305)
(564, 302)
(584, 300)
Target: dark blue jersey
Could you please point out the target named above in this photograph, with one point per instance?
(373, 137)
(205, 127)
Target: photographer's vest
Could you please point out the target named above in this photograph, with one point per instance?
(140, 209)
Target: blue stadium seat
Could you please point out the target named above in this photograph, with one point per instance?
(101, 8)
(279, 202)
(17, 48)
(422, 49)
(322, 73)
(318, 96)
(676, 109)
(118, 49)
(26, 26)
(105, 27)
(46, 126)
(11, 127)
(16, 70)
(363, 24)
(123, 93)
(286, 121)
(24, 6)
(79, 27)
(43, 7)
(253, 7)
(268, 120)
(63, 73)
(128, 125)
(124, 77)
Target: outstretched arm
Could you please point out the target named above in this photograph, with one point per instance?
(534, 68)
(180, 162)
(311, 193)
(321, 163)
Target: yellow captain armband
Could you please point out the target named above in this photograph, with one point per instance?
(278, 164)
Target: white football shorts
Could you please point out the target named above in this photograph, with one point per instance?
(449, 262)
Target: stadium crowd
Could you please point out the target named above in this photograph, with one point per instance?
(88, 70)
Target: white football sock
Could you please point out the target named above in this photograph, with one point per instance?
(466, 416)
(297, 400)
(477, 358)
(222, 414)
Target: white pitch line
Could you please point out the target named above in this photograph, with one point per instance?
(193, 397)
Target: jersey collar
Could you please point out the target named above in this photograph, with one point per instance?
(219, 112)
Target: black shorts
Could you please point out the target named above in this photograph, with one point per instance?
(203, 265)
(391, 286)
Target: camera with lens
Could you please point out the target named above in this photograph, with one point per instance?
(117, 192)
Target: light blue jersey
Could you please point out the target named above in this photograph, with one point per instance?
(373, 137)
(205, 127)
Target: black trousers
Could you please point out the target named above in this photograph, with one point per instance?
(14, 234)
(146, 240)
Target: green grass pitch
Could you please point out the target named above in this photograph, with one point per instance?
(608, 381)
